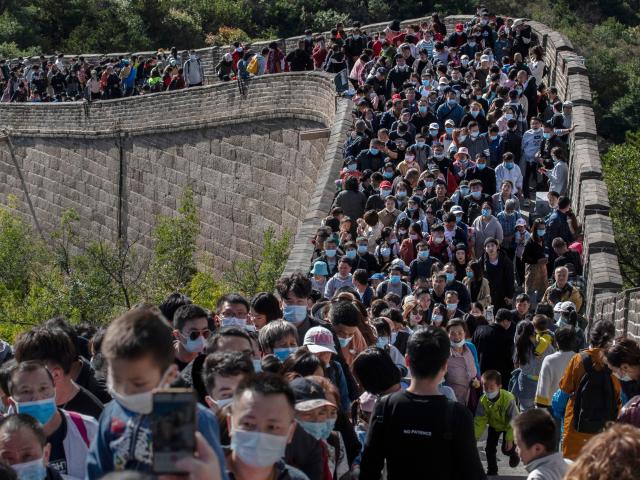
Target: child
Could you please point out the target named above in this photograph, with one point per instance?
(319, 278)
(279, 338)
(138, 348)
(496, 409)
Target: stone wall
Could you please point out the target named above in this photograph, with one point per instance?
(252, 162)
(623, 309)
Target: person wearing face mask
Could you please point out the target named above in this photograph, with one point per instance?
(191, 330)
(508, 219)
(623, 358)
(398, 75)
(481, 171)
(193, 71)
(394, 283)
(389, 214)
(371, 158)
(139, 350)
(422, 265)
(531, 142)
(24, 447)
(222, 372)
(450, 109)
(475, 143)
(508, 170)
(496, 409)
(261, 425)
(67, 433)
(472, 203)
(475, 114)
(559, 175)
(462, 373)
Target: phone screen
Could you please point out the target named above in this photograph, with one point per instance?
(173, 425)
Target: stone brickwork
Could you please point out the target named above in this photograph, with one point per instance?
(121, 163)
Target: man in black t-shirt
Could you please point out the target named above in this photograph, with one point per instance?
(420, 430)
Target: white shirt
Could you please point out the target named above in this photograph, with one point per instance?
(551, 467)
(553, 367)
(514, 175)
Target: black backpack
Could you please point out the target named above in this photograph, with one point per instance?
(595, 402)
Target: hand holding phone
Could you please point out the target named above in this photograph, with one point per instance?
(173, 427)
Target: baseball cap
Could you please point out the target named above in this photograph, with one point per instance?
(567, 103)
(385, 184)
(459, 27)
(484, 58)
(399, 263)
(318, 340)
(308, 394)
(567, 306)
(434, 126)
(455, 209)
(521, 222)
(377, 276)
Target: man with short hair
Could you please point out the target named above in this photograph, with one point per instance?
(261, 424)
(420, 426)
(495, 344)
(535, 435)
(193, 71)
(54, 348)
(562, 290)
(566, 258)
(190, 333)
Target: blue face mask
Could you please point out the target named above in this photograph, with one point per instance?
(477, 194)
(363, 249)
(423, 254)
(449, 130)
(284, 353)
(33, 470)
(41, 410)
(344, 341)
(352, 167)
(464, 190)
(481, 166)
(475, 113)
(294, 313)
(436, 319)
(374, 151)
(330, 252)
(433, 133)
(540, 232)
(423, 109)
(395, 278)
(318, 430)
(486, 212)
(546, 135)
(509, 165)
(452, 102)
(401, 194)
(469, 274)
(428, 184)
(382, 342)
(420, 143)
(450, 277)
(385, 252)
(388, 175)
(492, 137)
(411, 209)
(351, 254)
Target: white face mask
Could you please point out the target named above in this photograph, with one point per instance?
(258, 449)
(140, 403)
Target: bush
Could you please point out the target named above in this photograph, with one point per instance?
(226, 36)
(621, 163)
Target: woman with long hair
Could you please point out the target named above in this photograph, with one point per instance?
(535, 261)
(528, 356)
(476, 283)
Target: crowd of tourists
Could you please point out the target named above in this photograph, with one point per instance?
(58, 79)
(439, 308)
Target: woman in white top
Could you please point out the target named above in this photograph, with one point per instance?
(536, 65)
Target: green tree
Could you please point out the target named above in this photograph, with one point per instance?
(621, 163)
(261, 270)
(174, 262)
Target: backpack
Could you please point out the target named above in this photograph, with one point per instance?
(595, 401)
(253, 65)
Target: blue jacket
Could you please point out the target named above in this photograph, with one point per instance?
(124, 441)
(557, 226)
(445, 112)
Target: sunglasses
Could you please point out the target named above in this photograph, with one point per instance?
(193, 335)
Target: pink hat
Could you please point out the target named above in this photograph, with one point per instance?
(319, 339)
(461, 151)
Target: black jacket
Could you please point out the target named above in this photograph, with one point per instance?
(511, 142)
(487, 176)
(495, 350)
(500, 279)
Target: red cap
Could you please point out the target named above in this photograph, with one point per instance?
(396, 96)
(459, 27)
(385, 184)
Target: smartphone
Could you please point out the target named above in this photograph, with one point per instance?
(173, 428)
